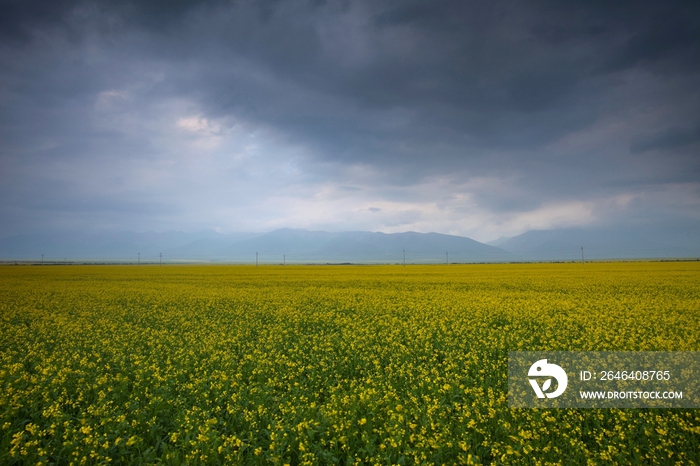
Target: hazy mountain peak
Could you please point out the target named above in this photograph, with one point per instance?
(302, 245)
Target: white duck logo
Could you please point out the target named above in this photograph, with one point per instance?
(542, 369)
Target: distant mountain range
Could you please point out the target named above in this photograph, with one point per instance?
(566, 244)
(304, 246)
(364, 246)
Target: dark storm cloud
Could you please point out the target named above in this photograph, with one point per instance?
(503, 73)
(19, 18)
(463, 77)
(567, 100)
(669, 139)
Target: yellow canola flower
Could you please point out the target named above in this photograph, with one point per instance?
(298, 364)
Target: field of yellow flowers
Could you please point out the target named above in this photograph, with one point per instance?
(328, 364)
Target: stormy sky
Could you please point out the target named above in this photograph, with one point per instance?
(481, 119)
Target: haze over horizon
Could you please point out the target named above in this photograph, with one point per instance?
(478, 119)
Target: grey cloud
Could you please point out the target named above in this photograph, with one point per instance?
(673, 40)
(459, 80)
(507, 200)
(411, 89)
(669, 139)
(465, 88)
(105, 206)
(20, 18)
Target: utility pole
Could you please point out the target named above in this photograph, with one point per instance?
(582, 260)
(404, 258)
(447, 261)
(138, 260)
(161, 259)
(42, 259)
(284, 259)
(256, 259)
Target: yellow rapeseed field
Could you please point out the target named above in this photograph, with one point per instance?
(328, 364)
